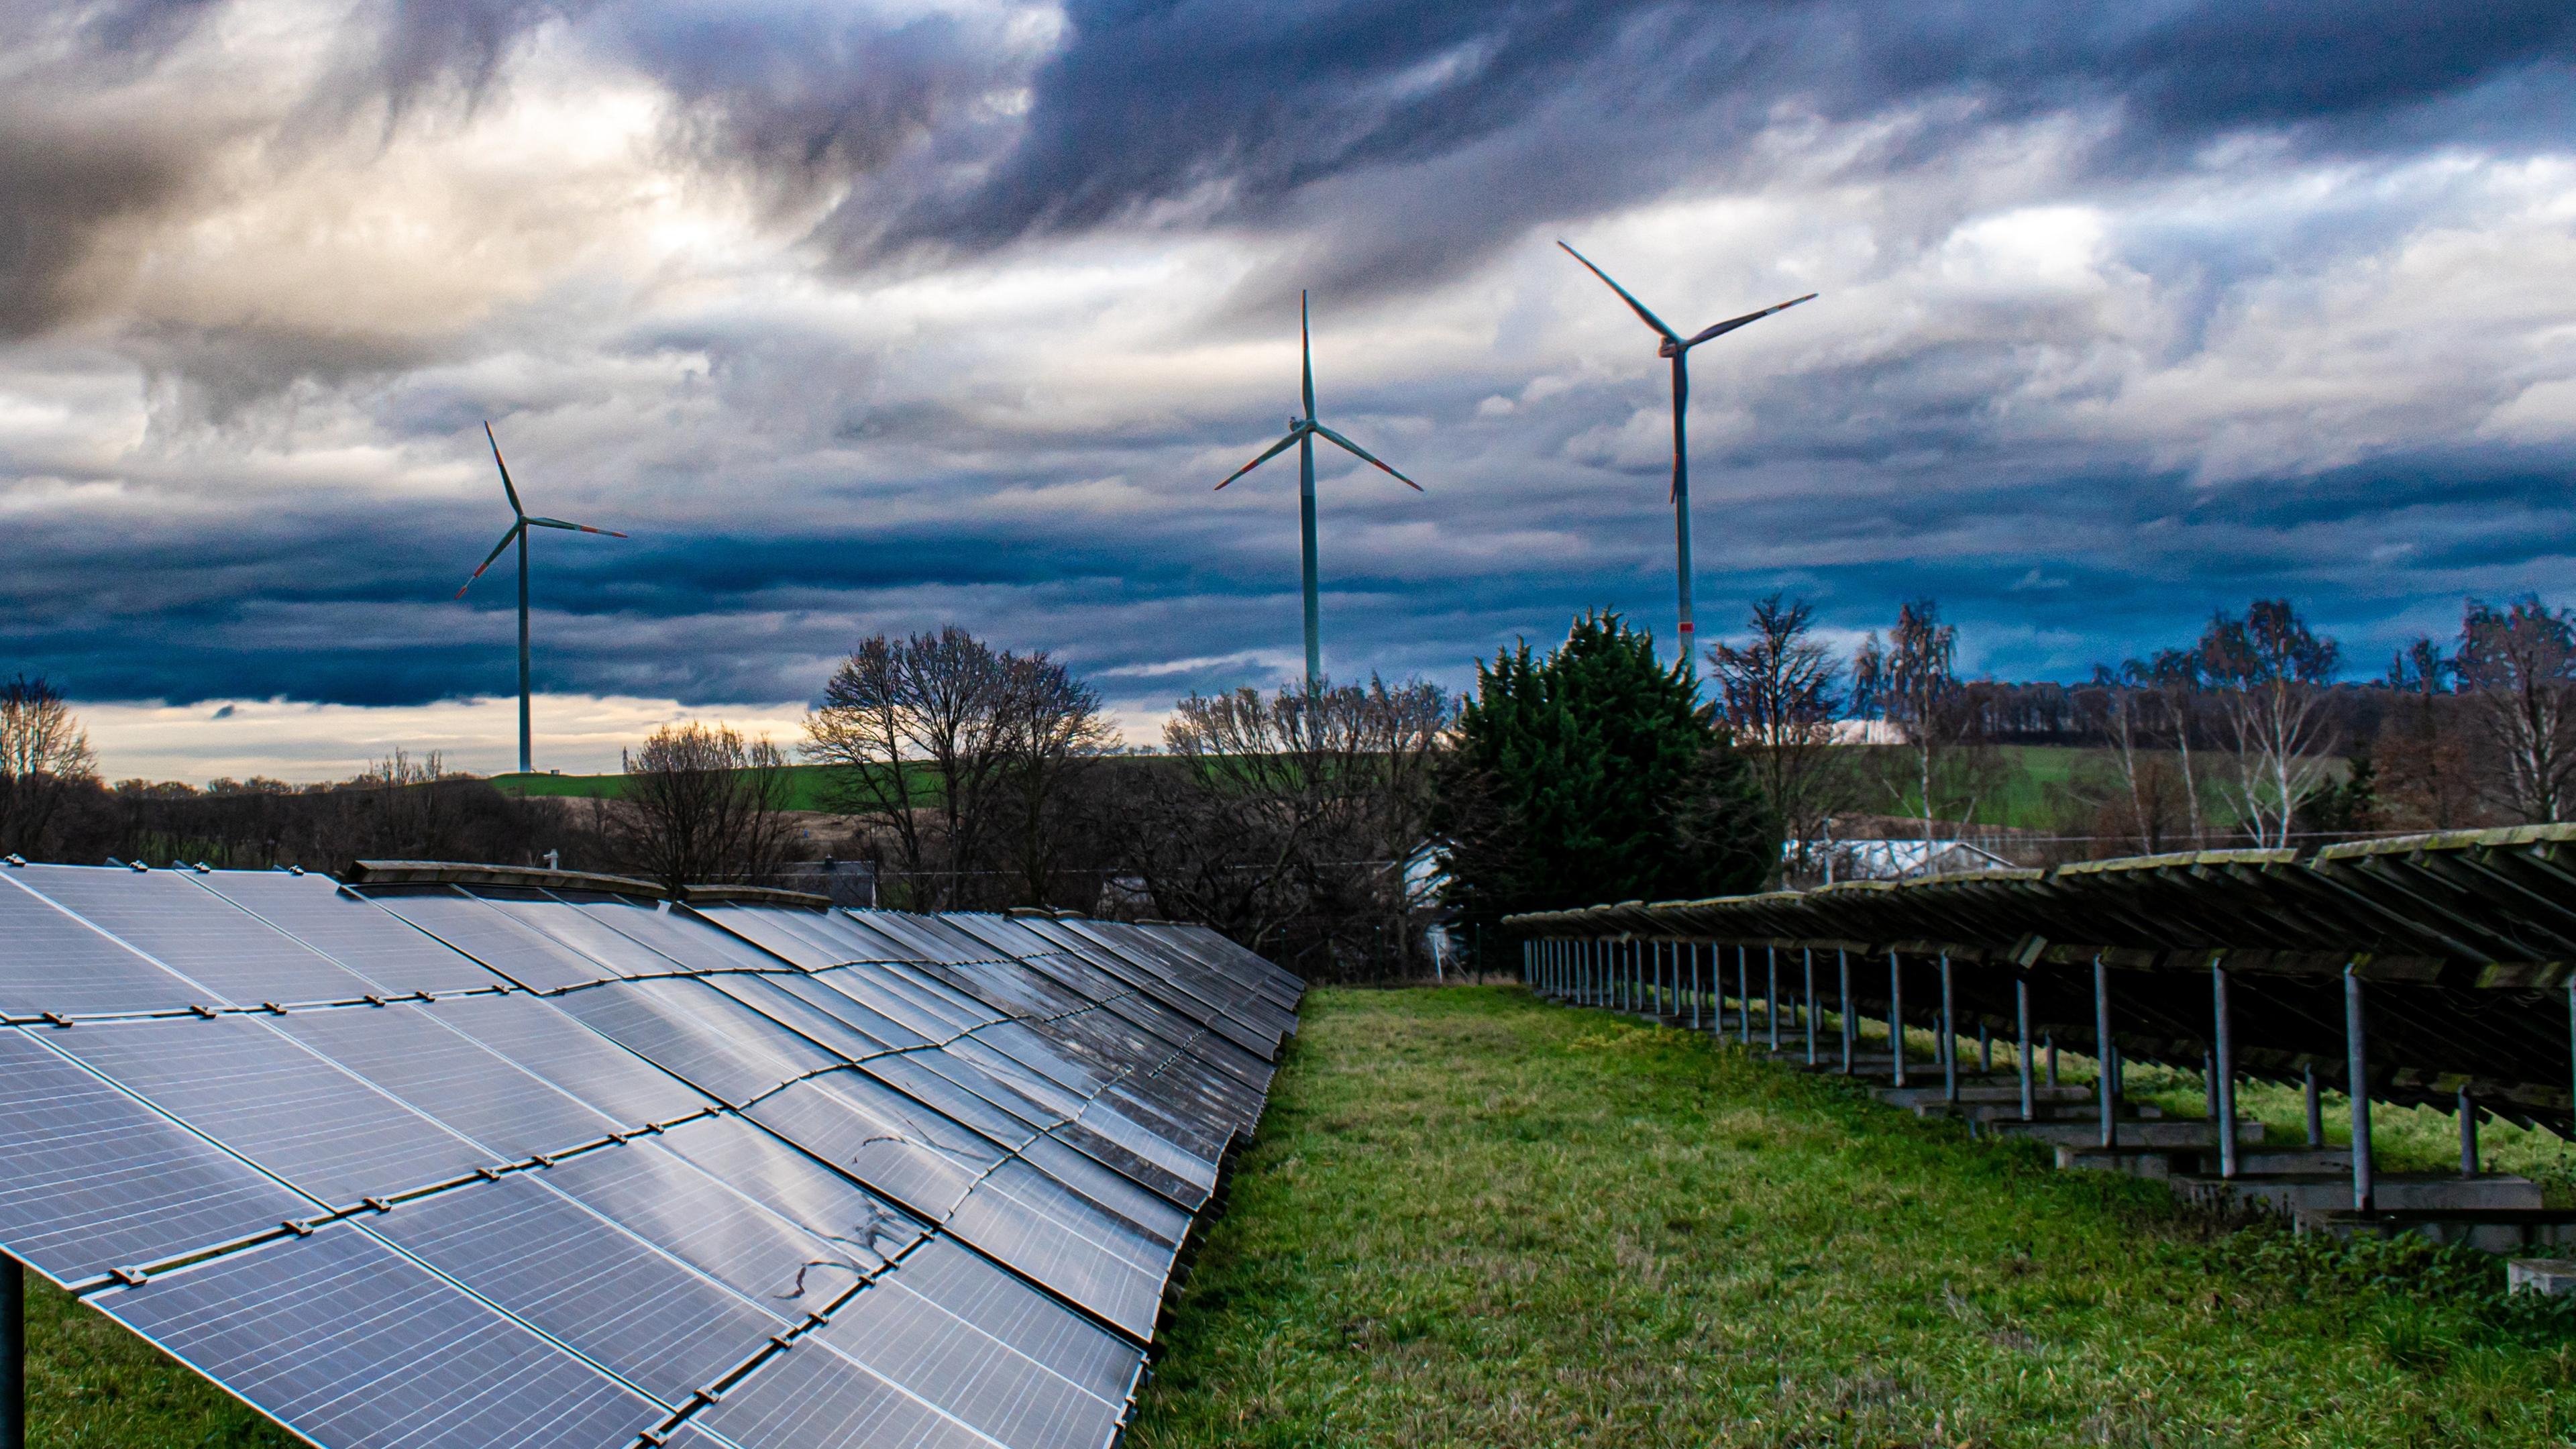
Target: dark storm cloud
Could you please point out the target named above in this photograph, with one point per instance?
(1251, 105)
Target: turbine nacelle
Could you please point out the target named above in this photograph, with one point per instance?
(522, 520)
(1306, 426)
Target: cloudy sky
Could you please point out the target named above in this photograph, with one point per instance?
(871, 316)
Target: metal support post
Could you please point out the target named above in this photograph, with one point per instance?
(2223, 1081)
(2356, 1048)
(1896, 1013)
(1949, 1037)
(1744, 995)
(13, 1354)
(1694, 986)
(2021, 1051)
(2109, 1070)
(1771, 995)
(1842, 961)
(2051, 1039)
(2316, 1108)
(1985, 1049)
(2468, 1134)
(1808, 954)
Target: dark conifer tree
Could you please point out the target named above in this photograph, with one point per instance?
(1594, 775)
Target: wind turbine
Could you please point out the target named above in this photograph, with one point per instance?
(1677, 347)
(519, 533)
(1303, 432)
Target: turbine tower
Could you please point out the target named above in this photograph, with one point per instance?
(519, 527)
(1303, 432)
(1677, 347)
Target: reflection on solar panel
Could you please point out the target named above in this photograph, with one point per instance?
(474, 1156)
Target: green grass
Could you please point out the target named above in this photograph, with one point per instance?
(93, 1385)
(1474, 1219)
(809, 787)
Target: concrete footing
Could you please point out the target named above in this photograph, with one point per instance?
(2496, 1230)
(2553, 1276)
(2297, 1192)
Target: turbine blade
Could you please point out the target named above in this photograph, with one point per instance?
(575, 527)
(487, 558)
(1364, 455)
(1638, 307)
(505, 471)
(1274, 450)
(1722, 328)
(1306, 355)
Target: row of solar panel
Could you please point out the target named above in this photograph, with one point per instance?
(571, 1167)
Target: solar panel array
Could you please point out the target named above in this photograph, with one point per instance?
(473, 1158)
(2465, 942)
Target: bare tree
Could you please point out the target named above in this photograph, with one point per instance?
(2519, 666)
(2272, 670)
(920, 717)
(701, 804)
(1292, 819)
(2115, 694)
(44, 758)
(1049, 729)
(1920, 684)
(2177, 677)
(2426, 776)
(1779, 693)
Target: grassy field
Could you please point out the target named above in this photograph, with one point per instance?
(1472, 1219)
(808, 786)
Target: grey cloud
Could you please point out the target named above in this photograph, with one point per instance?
(1154, 103)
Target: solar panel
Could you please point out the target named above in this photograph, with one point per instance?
(1071, 1253)
(359, 934)
(529, 957)
(662, 1022)
(684, 938)
(164, 915)
(251, 1088)
(349, 1343)
(704, 1222)
(568, 925)
(901, 1153)
(545, 1042)
(812, 1398)
(793, 1185)
(97, 1180)
(59, 963)
(966, 1373)
(462, 1156)
(571, 1274)
(823, 993)
(776, 933)
(979, 1293)
(448, 1076)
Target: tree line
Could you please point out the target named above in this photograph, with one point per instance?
(1330, 825)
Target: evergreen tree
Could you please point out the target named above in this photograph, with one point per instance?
(1595, 775)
